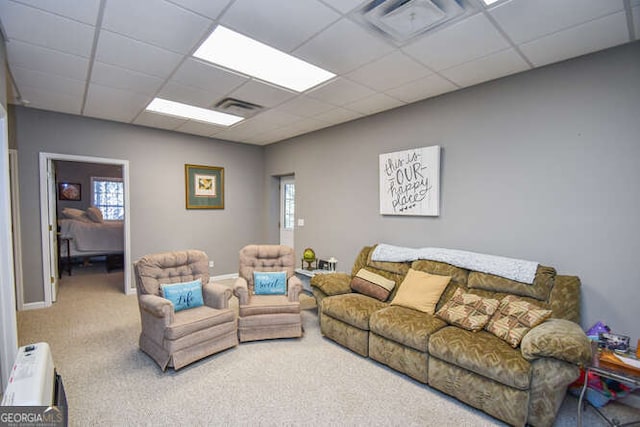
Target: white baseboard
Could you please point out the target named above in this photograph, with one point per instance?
(224, 277)
(32, 306)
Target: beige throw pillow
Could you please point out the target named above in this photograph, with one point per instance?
(514, 318)
(372, 284)
(420, 291)
(468, 311)
(95, 215)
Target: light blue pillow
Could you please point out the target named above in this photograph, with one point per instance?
(183, 295)
(270, 283)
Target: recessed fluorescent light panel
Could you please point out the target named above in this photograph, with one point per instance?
(489, 2)
(177, 109)
(240, 53)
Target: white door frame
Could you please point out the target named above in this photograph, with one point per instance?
(284, 240)
(45, 160)
(8, 324)
(17, 236)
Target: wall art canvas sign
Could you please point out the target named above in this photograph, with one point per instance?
(410, 182)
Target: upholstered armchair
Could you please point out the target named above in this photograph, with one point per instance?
(177, 338)
(267, 316)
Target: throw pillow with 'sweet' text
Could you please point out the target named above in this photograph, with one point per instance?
(270, 283)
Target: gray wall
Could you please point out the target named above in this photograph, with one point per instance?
(540, 166)
(159, 220)
(81, 173)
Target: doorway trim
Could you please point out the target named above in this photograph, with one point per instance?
(17, 233)
(46, 159)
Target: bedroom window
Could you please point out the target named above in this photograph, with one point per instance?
(107, 194)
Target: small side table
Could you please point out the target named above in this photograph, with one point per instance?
(612, 372)
(67, 262)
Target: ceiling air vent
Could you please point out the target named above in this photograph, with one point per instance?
(402, 20)
(238, 107)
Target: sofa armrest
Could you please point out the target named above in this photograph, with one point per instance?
(216, 295)
(241, 290)
(157, 306)
(332, 283)
(557, 338)
(294, 287)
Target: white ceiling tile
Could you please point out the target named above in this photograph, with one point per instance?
(388, 72)
(525, 20)
(343, 47)
(374, 104)
(338, 115)
(198, 128)
(48, 82)
(127, 53)
(161, 121)
(590, 37)
(463, 41)
(114, 104)
(46, 29)
(209, 8)
(262, 94)
(423, 88)
(206, 76)
(53, 101)
(305, 106)
(490, 67)
(264, 20)
(156, 22)
(84, 11)
(190, 95)
(340, 91)
(636, 20)
(273, 119)
(120, 78)
(38, 58)
(344, 6)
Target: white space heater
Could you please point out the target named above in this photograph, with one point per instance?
(33, 380)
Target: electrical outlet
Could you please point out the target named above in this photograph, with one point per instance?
(210, 264)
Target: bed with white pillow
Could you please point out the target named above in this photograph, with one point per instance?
(89, 234)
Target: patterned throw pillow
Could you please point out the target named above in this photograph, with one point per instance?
(468, 311)
(372, 284)
(183, 295)
(514, 318)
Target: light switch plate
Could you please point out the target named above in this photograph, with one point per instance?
(300, 222)
(210, 264)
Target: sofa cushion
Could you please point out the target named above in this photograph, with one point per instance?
(482, 353)
(374, 285)
(420, 291)
(353, 309)
(514, 318)
(187, 322)
(540, 289)
(468, 311)
(405, 326)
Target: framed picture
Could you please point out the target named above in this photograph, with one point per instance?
(69, 191)
(204, 187)
(410, 182)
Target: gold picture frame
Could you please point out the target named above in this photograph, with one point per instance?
(204, 187)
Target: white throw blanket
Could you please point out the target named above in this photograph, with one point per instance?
(510, 268)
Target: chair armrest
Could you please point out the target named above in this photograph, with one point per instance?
(241, 290)
(294, 287)
(557, 338)
(216, 295)
(332, 283)
(157, 306)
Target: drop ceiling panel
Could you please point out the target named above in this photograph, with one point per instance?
(340, 91)
(338, 115)
(374, 104)
(32, 57)
(156, 22)
(343, 47)
(525, 20)
(114, 104)
(582, 39)
(496, 65)
(463, 41)
(120, 78)
(425, 87)
(48, 82)
(344, 6)
(158, 120)
(636, 21)
(133, 55)
(206, 76)
(190, 95)
(263, 20)
(262, 94)
(51, 100)
(305, 106)
(208, 8)
(46, 29)
(388, 72)
(84, 11)
(198, 128)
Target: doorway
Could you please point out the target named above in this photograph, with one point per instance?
(49, 217)
(287, 210)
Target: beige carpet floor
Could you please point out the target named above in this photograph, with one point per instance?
(93, 331)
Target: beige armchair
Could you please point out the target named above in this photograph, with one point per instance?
(178, 338)
(267, 316)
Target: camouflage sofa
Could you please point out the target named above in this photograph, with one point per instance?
(521, 386)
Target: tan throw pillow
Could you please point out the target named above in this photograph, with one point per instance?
(420, 291)
(372, 284)
(95, 215)
(468, 311)
(514, 318)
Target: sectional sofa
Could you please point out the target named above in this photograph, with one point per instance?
(470, 344)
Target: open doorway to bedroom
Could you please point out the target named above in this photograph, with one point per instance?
(84, 218)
